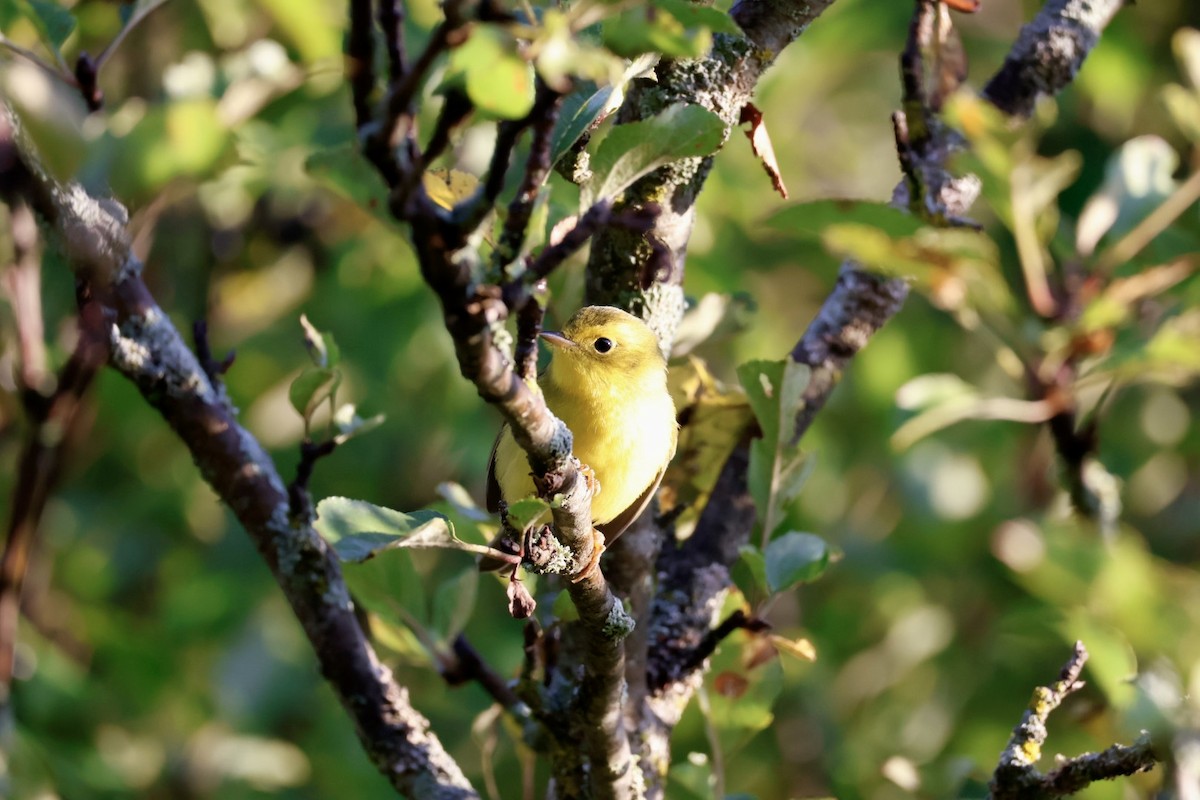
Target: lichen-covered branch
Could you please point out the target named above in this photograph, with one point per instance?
(148, 350)
(619, 269)
(474, 312)
(1017, 776)
(1049, 52)
(696, 575)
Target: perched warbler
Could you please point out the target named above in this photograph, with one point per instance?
(607, 380)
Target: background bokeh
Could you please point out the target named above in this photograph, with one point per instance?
(164, 663)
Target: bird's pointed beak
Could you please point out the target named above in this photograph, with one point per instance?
(557, 340)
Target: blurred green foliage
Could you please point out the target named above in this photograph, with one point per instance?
(161, 661)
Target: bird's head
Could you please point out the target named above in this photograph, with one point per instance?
(606, 343)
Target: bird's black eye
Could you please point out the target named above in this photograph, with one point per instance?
(603, 345)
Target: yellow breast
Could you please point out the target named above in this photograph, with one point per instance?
(626, 435)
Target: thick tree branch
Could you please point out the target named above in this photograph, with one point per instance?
(148, 350)
(1049, 52)
(473, 312)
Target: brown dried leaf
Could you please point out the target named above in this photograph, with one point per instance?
(520, 602)
(760, 143)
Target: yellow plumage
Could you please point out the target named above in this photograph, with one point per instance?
(607, 381)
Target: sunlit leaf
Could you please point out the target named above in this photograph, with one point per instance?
(322, 348)
(524, 513)
(638, 148)
(349, 424)
(312, 387)
(670, 27)
(449, 187)
(51, 113)
(359, 530)
(802, 649)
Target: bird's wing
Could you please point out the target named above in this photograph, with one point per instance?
(617, 525)
(492, 500)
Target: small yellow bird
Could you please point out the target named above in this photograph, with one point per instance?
(607, 380)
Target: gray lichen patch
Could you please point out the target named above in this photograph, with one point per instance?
(147, 348)
(618, 624)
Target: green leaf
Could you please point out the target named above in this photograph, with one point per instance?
(139, 9)
(53, 22)
(809, 220)
(497, 79)
(359, 530)
(638, 148)
(749, 574)
(580, 110)
(454, 602)
(695, 15)
(52, 115)
(322, 349)
(670, 27)
(1137, 179)
(795, 558)
(775, 390)
(312, 387)
(524, 513)
(389, 587)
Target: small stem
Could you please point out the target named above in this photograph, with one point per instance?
(1155, 223)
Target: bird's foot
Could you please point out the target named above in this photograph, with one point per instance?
(594, 562)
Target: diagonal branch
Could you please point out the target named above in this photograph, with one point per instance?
(148, 350)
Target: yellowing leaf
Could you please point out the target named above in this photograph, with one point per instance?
(449, 187)
(802, 649)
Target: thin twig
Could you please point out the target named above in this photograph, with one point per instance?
(1017, 777)
(391, 21)
(299, 502)
(141, 11)
(212, 368)
(529, 326)
(41, 464)
(468, 665)
(23, 284)
(1151, 226)
(360, 61)
(537, 168)
(696, 657)
(593, 221)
